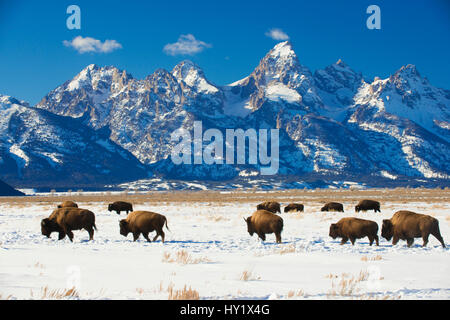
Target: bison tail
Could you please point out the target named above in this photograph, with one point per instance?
(95, 227)
(167, 226)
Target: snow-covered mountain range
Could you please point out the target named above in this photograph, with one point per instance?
(333, 123)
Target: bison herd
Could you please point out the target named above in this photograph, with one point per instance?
(404, 225)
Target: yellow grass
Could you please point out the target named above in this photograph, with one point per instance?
(183, 294)
(46, 293)
(183, 257)
(374, 258)
(347, 286)
(296, 293)
(247, 275)
(401, 196)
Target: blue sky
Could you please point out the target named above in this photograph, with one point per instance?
(34, 60)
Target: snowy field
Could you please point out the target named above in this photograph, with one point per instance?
(209, 251)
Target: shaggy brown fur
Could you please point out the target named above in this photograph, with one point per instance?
(263, 222)
(365, 205)
(271, 206)
(120, 206)
(143, 222)
(68, 204)
(294, 207)
(354, 228)
(64, 220)
(333, 206)
(407, 225)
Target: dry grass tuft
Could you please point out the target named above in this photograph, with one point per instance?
(247, 275)
(347, 286)
(183, 257)
(182, 294)
(298, 293)
(374, 258)
(47, 294)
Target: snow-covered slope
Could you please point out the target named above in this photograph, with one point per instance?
(39, 148)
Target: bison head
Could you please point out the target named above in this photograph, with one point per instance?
(124, 228)
(334, 231)
(48, 226)
(357, 208)
(276, 207)
(250, 228)
(110, 207)
(387, 230)
(324, 208)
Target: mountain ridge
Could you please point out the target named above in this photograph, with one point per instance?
(332, 121)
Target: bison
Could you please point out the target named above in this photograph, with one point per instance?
(365, 205)
(271, 206)
(294, 207)
(262, 222)
(143, 222)
(64, 220)
(120, 206)
(407, 225)
(68, 204)
(333, 206)
(354, 228)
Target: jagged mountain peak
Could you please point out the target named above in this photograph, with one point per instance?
(8, 100)
(283, 49)
(193, 76)
(409, 70)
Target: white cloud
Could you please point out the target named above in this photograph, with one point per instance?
(186, 44)
(84, 45)
(277, 34)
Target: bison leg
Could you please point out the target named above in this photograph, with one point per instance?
(118, 212)
(352, 239)
(344, 240)
(410, 242)
(146, 236)
(61, 235)
(262, 236)
(370, 240)
(135, 236)
(425, 239)
(159, 233)
(376, 240)
(278, 237)
(91, 233)
(70, 235)
(395, 240)
(438, 236)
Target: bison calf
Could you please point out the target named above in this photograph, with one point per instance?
(120, 206)
(68, 204)
(271, 206)
(365, 205)
(263, 222)
(407, 225)
(143, 222)
(333, 206)
(294, 207)
(354, 228)
(64, 220)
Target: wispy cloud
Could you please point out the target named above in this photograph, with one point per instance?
(88, 44)
(277, 34)
(186, 44)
